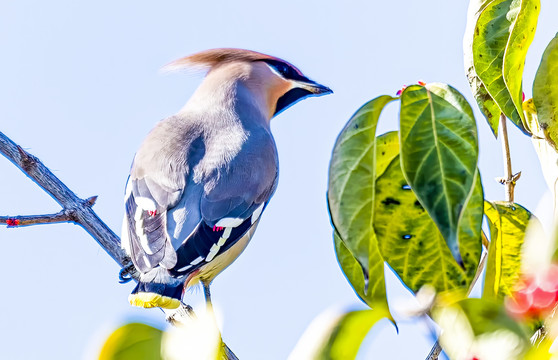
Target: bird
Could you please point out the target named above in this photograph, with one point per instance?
(202, 178)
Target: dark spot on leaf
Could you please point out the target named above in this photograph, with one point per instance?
(383, 152)
(390, 201)
(420, 243)
(407, 236)
(418, 204)
(356, 126)
(406, 187)
(463, 282)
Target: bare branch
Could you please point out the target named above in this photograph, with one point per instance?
(79, 211)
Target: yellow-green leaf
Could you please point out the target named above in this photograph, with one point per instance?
(488, 106)
(508, 223)
(344, 341)
(412, 244)
(545, 93)
(520, 38)
(439, 154)
(542, 351)
(544, 147)
(497, 38)
(134, 341)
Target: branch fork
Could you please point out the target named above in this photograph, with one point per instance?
(512, 180)
(80, 212)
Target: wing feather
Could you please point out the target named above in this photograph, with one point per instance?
(146, 213)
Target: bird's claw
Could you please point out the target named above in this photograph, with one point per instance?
(124, 274)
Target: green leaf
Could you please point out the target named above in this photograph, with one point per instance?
(545, 92)
(412, 244)
(508, 223)
(478, 328)
(439, 154)
(368, 279)
(497, 38)
(352, 173)
(134, 341)
(336, 336)
(352, 177)
(356, 275)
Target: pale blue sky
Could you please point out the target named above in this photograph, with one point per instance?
(80, 88)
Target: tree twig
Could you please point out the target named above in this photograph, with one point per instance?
(16, 221)
(80, 212)
(509, 179)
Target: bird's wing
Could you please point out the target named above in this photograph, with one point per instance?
(230, 208)
(147, 203)
(156, 184)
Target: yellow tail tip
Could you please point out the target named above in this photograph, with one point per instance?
(151, 300)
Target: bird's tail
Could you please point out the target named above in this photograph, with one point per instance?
(150, 295)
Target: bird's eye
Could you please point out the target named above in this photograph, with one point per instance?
(284, 70)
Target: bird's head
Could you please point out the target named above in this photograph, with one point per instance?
(278, 83)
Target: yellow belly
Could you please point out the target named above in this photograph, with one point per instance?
(209, 271)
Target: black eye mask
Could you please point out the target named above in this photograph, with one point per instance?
(286, 70)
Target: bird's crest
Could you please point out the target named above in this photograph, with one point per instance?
(210, 58)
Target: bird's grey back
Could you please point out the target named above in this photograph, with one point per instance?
(233, 159)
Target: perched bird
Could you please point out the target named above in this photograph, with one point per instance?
(202, 178)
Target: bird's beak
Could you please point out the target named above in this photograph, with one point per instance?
(300, 89)
(314, 88)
